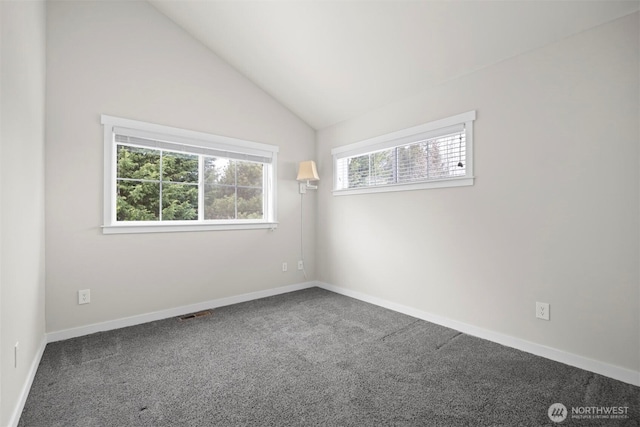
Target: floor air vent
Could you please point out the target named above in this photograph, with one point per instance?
(197, 315)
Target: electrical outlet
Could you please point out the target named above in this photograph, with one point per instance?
(542, 310)
(284, 267)
(300, 265)
(84, 296)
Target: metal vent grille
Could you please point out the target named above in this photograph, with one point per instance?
(197, 315)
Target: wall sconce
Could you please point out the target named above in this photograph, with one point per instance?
(307, 172)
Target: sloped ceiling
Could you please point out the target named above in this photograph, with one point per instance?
(328, 61)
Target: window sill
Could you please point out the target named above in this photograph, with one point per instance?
(455, 182)
(173, 228)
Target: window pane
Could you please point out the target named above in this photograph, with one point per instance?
(219, 202)
(138, 163)
(179, 202)
(412, 163)
(219, 171)
(358, 175)
(250, 203)
(382, 167)
(436, 159)
(138, 201)
(177, 167)
(249, 174)
(452, 150)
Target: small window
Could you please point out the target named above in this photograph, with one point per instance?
(432, 155)
(159, 178)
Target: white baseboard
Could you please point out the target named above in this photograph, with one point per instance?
(171, 312)
(24, 393)
(616, 372)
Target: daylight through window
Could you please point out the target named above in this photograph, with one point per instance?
(180, 179)
(436, 154)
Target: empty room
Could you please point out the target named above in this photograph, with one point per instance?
(341, 213)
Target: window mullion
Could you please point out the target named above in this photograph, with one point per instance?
(235, 187)
(160, 177)
(200, 188)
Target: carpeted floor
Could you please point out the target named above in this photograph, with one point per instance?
(307, 358)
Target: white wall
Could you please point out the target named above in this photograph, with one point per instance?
(125, 59)
(22, 120)
(553, 215)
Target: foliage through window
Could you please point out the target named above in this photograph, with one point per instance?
(233, 189)
(436, 158)
(170, 179)
(436, 154)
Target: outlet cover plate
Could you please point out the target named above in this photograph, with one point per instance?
(84, 296)
(542, 310)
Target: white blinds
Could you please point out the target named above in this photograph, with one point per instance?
(393, 140)
(421, 160)
(182, 144)
(437, 151)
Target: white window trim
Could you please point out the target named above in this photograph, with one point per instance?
(193, 139)
(406, 136)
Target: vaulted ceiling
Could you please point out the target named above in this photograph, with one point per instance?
(329, 61)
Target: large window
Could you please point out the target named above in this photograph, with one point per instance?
(166, 179)
(436, 154)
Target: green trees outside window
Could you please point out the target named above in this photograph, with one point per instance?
(161, 185)
(232, 189)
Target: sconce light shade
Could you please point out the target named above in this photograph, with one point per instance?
(307, 171)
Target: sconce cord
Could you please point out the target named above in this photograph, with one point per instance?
(304, 271)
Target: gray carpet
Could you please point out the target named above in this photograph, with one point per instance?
(307, 358)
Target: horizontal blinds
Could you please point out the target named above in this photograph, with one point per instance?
(393, 140)
(192, 146)
(419, 158)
